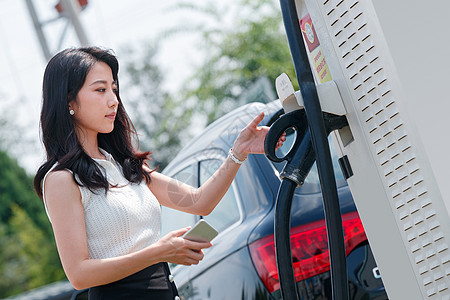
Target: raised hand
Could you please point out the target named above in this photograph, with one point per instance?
(251, 139)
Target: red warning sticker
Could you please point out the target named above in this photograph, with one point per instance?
(315, 51)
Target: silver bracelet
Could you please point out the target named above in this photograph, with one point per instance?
(234, 158)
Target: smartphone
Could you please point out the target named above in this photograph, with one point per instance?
(201, 232)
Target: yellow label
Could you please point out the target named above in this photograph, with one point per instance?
(314, 49)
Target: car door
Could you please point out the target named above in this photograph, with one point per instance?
(224, 263)
(227, 213)
(172, 219)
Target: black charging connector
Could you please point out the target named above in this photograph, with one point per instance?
(300, 160)
(314, 141)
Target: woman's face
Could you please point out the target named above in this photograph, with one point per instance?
(96, 104)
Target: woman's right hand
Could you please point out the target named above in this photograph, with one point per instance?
(182, 251)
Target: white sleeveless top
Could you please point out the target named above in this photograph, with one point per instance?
(125, 220)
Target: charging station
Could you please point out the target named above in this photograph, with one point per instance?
(378, 60)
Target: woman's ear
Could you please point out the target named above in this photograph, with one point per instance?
(71, 108)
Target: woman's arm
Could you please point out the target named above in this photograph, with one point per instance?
(202, 201)
(63, 201)
(177, 195)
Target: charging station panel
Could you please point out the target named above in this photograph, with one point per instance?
(400, 204)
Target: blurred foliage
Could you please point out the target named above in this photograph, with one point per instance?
(238, 56)
(12, 127)
(27, 249)
(16, 188)
(158, 118)
(29, 257)
(8, 127)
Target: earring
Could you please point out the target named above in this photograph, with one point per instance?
(71, 112)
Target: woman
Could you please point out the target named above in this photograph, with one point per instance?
(100, 196)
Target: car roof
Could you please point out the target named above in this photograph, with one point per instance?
(221, 133)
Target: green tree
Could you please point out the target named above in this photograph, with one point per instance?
(29, 260)
(239, 56)
(28, 256)
(159, 119)
(17, 135)
(16, 188)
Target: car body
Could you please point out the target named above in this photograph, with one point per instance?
(241, 264)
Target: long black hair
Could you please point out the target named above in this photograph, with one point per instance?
(64, 76)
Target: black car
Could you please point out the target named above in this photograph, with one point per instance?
(241, 264)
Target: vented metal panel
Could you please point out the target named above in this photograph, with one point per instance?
(375, 107)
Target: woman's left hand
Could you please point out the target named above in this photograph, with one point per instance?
(251, 139)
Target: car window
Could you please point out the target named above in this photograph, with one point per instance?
(226, 212)
(172, 219)
(312, 183)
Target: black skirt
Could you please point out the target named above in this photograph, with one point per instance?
(150, 283)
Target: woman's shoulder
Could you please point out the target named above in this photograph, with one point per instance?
(59, 188)
(59, 176)
(61, 180)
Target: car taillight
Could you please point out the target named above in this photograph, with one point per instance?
(309, 244)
